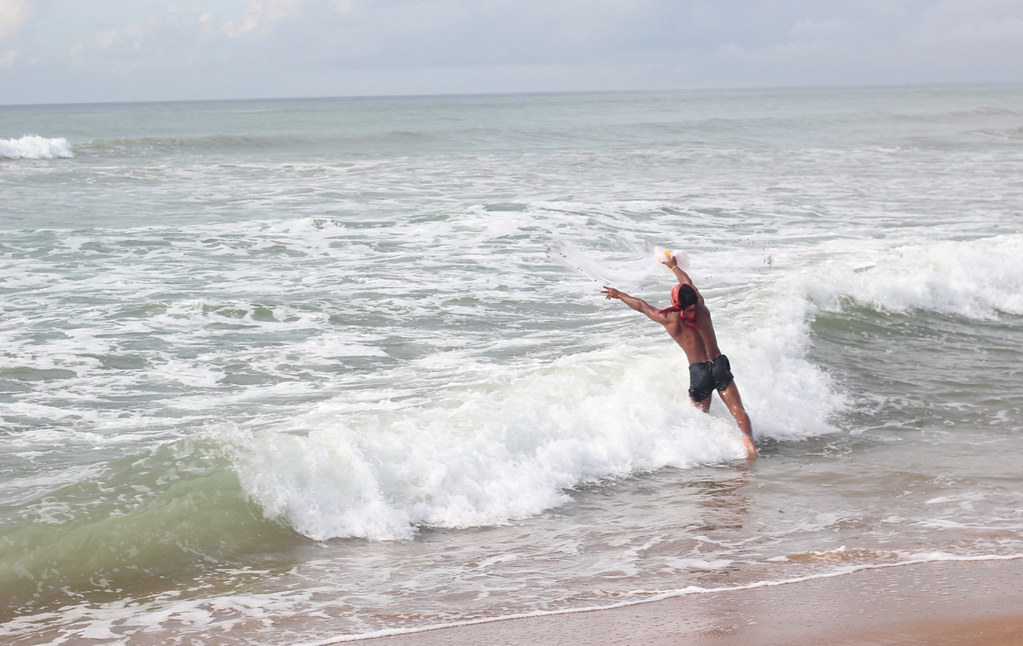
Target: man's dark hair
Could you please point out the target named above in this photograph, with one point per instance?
(687, 296)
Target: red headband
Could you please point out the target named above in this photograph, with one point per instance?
(688, 313)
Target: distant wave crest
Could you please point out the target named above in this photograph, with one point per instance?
(35, 147)
(978, 279)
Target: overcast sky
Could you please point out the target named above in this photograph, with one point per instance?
(56, 51)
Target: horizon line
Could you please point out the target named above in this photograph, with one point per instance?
(398, 95)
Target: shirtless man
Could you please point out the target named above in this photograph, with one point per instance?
(688, 322)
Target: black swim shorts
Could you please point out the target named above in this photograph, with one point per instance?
(701, 380)
(722, 372)
(706, 376)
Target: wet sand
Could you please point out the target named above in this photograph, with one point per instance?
(974, 603)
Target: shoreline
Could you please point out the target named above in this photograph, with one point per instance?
(935, 603)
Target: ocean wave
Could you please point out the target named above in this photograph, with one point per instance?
(977, 279)
(244, 144)
(194, 145)
(513, 443)
(169, 514)
(472, 456)
(35, 147)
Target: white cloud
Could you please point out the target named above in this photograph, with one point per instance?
(13, 14)
(107, 39)
(263, 15)
(276, 10)
(819, 30)
(958, 22)
(241, 27)
(7, 58)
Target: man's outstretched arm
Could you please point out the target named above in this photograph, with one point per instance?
(637, 304)
(680, 274)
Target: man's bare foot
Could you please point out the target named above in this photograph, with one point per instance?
(751, 449)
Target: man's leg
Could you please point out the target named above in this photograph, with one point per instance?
(730, 395)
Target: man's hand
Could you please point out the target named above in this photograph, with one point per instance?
(611, 293)
(669, 260)
(637, 304)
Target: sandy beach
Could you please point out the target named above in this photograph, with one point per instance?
(976, 603)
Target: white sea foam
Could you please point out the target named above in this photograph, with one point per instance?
(476, 456)
(35, 147)
(973, 278)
